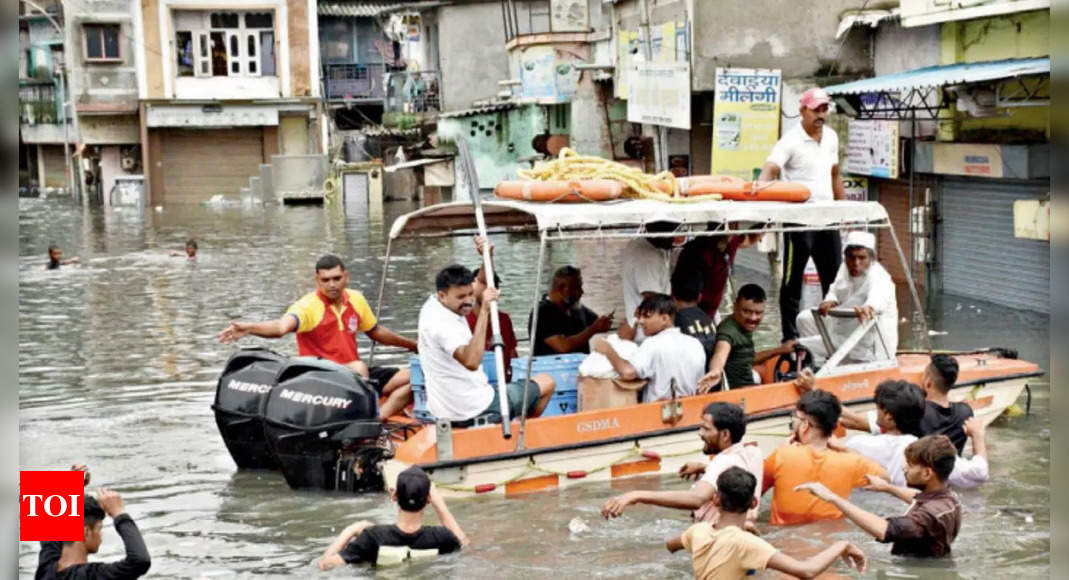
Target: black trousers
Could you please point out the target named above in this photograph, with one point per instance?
(825, 247)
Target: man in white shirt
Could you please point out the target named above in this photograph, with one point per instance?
(899, 409)
(864, 285)
(668, 358)
(645, 269)
(807, 154)
(722, 429)
(894, 424)
(451, 356)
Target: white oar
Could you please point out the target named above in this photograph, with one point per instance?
(467, 165)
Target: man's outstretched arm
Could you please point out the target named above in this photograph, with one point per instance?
(814, 566)
(266, 329)
(870, 522)
(688, 499)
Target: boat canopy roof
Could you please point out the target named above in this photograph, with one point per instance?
(446, 218)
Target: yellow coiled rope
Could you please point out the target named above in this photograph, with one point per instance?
(570, 165)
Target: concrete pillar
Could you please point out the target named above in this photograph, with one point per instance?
(589, 126)
(40, 169)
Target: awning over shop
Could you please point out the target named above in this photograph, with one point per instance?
(920, 92)
(369, 9)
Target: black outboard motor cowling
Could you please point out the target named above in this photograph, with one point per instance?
(313, 401)
(240, 396)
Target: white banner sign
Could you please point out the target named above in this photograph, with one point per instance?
(208, 116)
(872, 148)
(660, 94)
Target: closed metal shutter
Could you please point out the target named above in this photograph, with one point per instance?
(198, 164)
(979, 256)
(55, 165)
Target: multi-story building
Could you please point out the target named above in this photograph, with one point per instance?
(376, 58)
(43, 118)
(103, 83)
(224, 86)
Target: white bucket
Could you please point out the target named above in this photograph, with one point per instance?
(811, 295)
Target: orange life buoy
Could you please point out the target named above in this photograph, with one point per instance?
(561, 191)
(737, 189)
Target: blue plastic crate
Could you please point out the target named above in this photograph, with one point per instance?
(419, 385)
(564, 368)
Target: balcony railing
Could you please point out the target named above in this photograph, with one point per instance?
(53, 8)
(38, 113)
(355, 81)
(413, 92)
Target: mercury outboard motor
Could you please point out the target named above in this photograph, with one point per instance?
(240, 396)
(321, 423)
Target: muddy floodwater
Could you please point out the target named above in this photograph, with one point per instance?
(118, 361)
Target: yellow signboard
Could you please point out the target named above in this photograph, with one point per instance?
(746, 113)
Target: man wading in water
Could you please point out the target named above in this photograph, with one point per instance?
(70, 560)
(326, 322)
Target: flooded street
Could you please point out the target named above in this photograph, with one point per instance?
(118, 361)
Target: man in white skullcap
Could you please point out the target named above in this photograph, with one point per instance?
(865, 286)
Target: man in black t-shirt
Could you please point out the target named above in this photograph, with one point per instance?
(565, 325)
(382, 545)
(70, 560)
(941, 417)
(690, 319)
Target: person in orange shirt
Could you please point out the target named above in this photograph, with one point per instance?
(326, 322)
(808, 458)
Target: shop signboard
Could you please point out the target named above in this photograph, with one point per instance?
(872, 148)
(746, 113)
(660, 95)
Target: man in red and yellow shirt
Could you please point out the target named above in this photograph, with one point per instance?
(326, 322)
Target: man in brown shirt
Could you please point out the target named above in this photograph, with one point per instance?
(933, 519)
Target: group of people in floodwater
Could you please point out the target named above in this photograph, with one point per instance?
(55, 255)
(911, 446)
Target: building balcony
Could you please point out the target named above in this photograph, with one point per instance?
(39, 113)
(413, 92)
(53, 8)
(355, 81)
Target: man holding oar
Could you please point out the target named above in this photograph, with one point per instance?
(451, 355)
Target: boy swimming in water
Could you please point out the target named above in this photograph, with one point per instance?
(55, 258)
(191, 250)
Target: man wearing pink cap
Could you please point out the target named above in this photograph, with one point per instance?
(807, 154)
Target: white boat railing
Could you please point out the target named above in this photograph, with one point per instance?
(832, 365)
